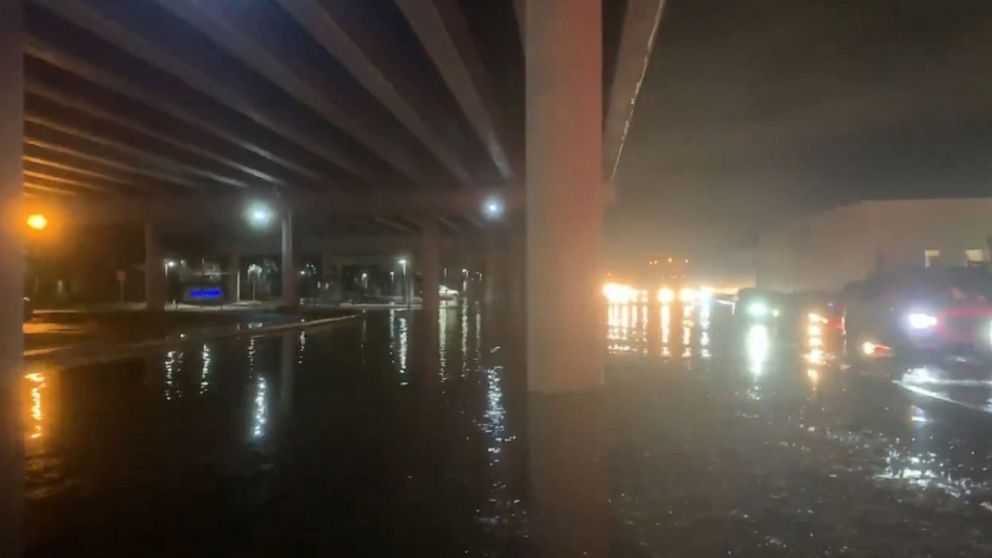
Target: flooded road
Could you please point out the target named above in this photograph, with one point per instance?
(710, 439)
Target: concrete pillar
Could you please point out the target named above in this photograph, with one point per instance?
(430, 264)
(494, 270)
(290, 296)
(155, 285)
(234, 277)
(12, 278)
(565, 194)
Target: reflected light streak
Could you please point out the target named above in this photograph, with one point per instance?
(757, 346)
(260, 412)
(403, 348)
(442, 342)
(666, 330)
(206, 358)
(38, 388)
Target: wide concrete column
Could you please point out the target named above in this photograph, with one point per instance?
(565, 194)
(290, 296)
(12, 278)
(234, 277)
(154, 272)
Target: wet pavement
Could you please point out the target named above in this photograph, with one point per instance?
(709, 439)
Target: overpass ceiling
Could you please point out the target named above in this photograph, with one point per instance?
(150, 98)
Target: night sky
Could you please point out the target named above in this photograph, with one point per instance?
(756, 110)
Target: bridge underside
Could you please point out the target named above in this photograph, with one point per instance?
(385, 124)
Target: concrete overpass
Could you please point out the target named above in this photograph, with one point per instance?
(355, 119)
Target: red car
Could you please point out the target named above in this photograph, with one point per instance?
(921, 313)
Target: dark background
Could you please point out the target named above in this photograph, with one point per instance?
(754, 111)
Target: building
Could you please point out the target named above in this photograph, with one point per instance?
(827, 250)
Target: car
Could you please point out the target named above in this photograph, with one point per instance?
(815, 314)
(755, 305)
(918, 315)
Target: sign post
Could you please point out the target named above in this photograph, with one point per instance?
(121, 278)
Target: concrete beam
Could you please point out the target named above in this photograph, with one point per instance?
(169, 98)
(441, 27)
(182, 141)
(105, 135)
(249, 37)
(393, 87)
(640, 28)
(193, 62)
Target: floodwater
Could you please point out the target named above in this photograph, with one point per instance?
(709, 439)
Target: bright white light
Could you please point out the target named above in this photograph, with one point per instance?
(757, 309)
(814, 330)
(706, 293)
(920, 320)
(170, 263)
(260, 215)
(757, 345)
(870, 348)
(616, 293)
(493, 208)
(666, 295)
(687, 294)
(776, 313)
(816, 318)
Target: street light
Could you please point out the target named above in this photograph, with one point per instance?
(260, 215)
(37, 221)
(493, 208)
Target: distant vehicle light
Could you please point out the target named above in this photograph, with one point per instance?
(815, 318)
(687, 294)
(921, 320)
(776, 312)
(666, 295)
(872, 349)
(814, 330)
(616, 293)
(758, 309)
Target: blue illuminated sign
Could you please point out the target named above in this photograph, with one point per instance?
(205, 293)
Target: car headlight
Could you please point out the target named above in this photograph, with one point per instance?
(921, 320)
(757, 309)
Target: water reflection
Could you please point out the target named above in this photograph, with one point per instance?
(648, 329)
(206, 358)
(173, 365)
(37, 385)
(757, 347)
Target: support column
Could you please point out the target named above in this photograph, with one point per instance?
(430, 269)
(12, 278)
(154, 272)
(430, 265)
(290, 296)
(234, 277)
(565, 194)
(494, 270)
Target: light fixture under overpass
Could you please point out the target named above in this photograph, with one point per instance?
(493, 208)
(260, 214)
